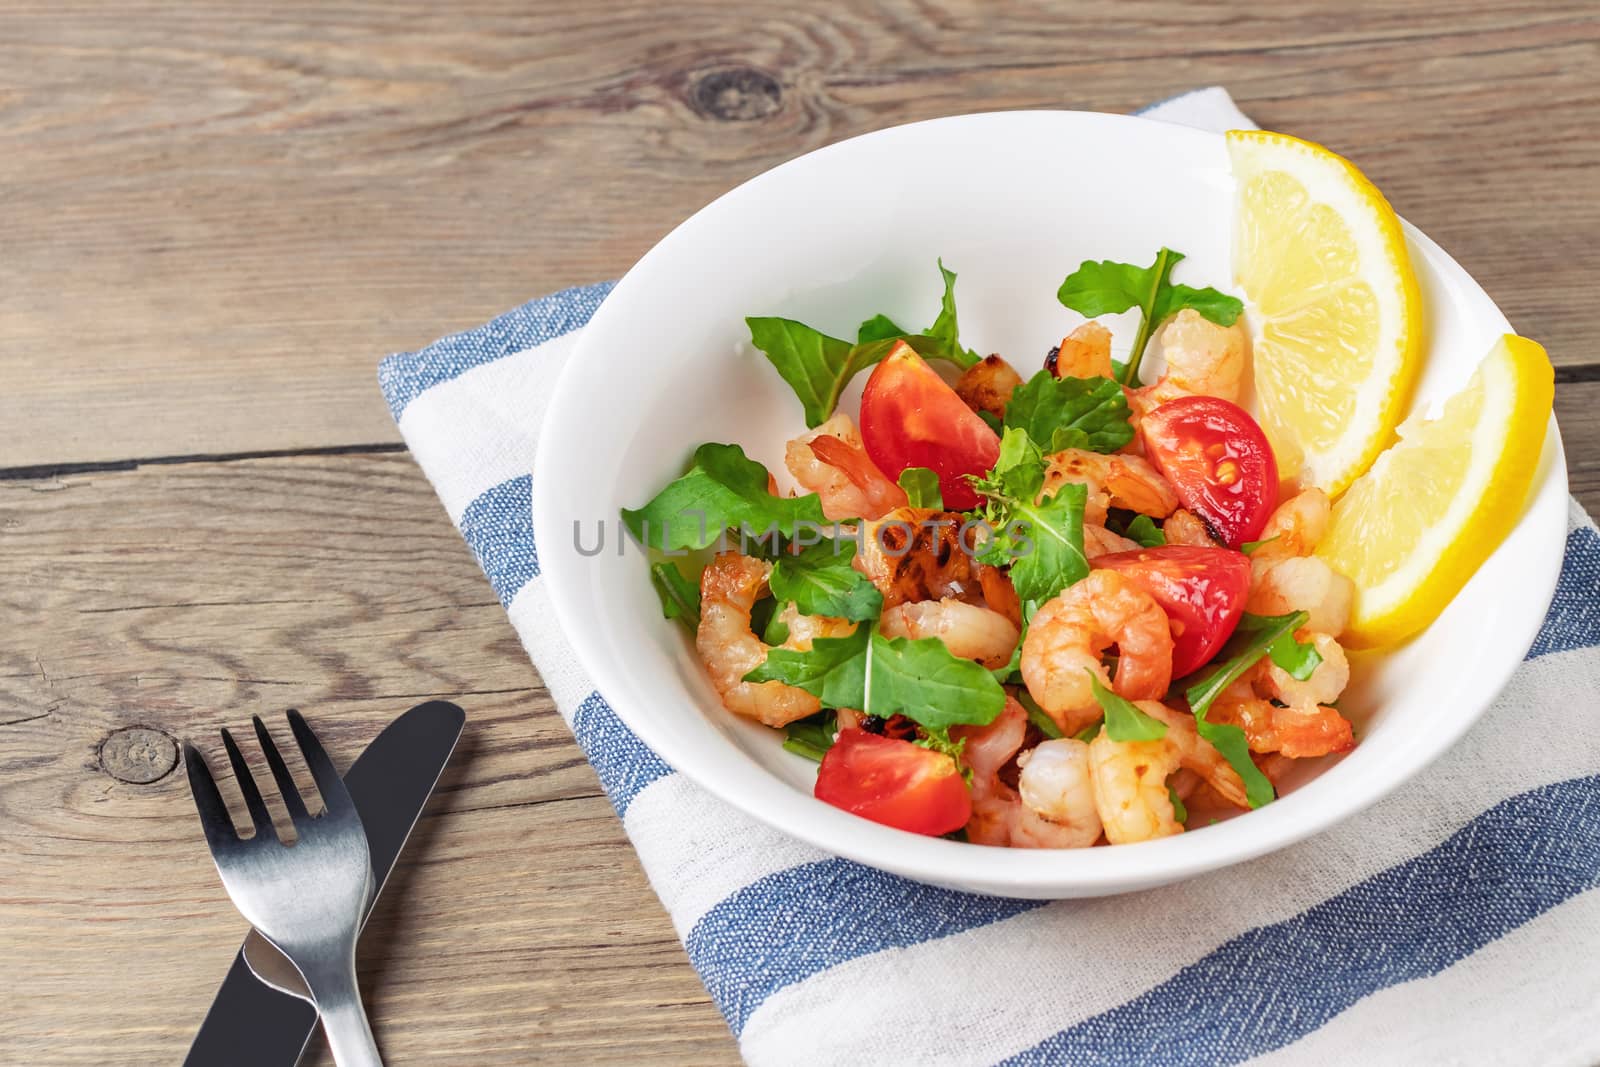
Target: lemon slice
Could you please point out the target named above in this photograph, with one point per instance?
(1319, 252)
(1414, 528)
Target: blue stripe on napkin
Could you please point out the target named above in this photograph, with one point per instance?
(498, 526)
(1275, 984)
(1574, 618)
(406, 376)
(768, 935)
(623, 763)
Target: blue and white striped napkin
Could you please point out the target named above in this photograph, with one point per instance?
(1457, 921)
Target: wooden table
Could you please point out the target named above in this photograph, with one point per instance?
(215, 217)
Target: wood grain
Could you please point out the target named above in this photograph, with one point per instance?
(179, 599)
(218, 214)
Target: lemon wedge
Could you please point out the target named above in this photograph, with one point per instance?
(1414, 528)
(1319, 253)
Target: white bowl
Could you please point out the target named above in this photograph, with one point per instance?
(1013, 202)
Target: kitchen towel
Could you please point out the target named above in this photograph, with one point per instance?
(1455, 921)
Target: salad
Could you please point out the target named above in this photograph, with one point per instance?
(1044, 606)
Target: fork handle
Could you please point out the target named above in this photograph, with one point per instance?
(344, 1020)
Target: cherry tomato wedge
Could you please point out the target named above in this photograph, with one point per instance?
(1218, 461)
(894, 782)
(911, 418)
(1202, 590)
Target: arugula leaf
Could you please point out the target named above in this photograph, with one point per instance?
(922, 488)
(921, 680)
(1042, 541)
(680, 598)
(724, 489)
(945, 328)
(821, 581)
(1143, 529)
(991, 420)
(1104, 287)
(1038, 716)
(1179, 811)
(764, 621)
(1124, 720)
(1251, 640)
(1250, 546)
(1230, 741)
(1090, 732)
(878, 328)
(811, 736)
(818, 367)
(1062, 413)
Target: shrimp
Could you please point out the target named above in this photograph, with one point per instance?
(999, 816)
(1302, 583)
(804, 629)
(1295, 527)
(1202, 359)
(1069, 634)
(1057, 786)
(1099, 541)
(967, 630)
(1083, 353)
(1130, 777)
(831, 462)
(917, 554)
(1291, 732)
(1324, 686)
(729, 588)
(1119, 480)
(987, 385)
(1184, 527)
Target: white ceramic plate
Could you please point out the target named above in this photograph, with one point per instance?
(1013, 202)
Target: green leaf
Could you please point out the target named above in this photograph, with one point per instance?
(1062, 413)
(680, 598)
(1090, 732)
(1103, 287)
(821, 581)
(764, 620)
(724, 489)
(1042, 541)
(878, 328)
(1144, 530)
(1179, 811)
(945, 327)
(1038, 716)
(921, 680)
(1251, 639)
(991, 420)
(1250, 546)
(1124, 720)
(1298, 658)
(922, 488)
(811, 736)
(1230, 741)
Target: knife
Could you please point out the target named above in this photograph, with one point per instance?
(251, 1024)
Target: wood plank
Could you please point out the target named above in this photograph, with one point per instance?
(218, 214)
(1578, 413)
(519, 927)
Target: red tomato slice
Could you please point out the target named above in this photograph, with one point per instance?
(1218, 460)
(1202, 590)
(911, 418)
(894, 782)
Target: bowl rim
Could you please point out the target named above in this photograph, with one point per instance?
(752, 789)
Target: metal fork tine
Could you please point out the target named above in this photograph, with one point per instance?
(214, 818)
(247, 785)
(290, 792)
(334, 796)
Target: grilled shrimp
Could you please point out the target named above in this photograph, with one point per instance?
(967, 630)
(729, 588)
(1130, 777)
(1069, 634)
(999, 816)
(831, 462)
(1302, 583)
(1099, 541)
(1184, 527)
(1119, 480)
(987, 385)
(1084, 353)
(1324, 686)
(916, 554)
(1203, 359)
(1280, 714)
(1295, 527)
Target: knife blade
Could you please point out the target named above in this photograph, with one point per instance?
(251, 1024)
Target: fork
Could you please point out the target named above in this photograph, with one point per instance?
(305, 898)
